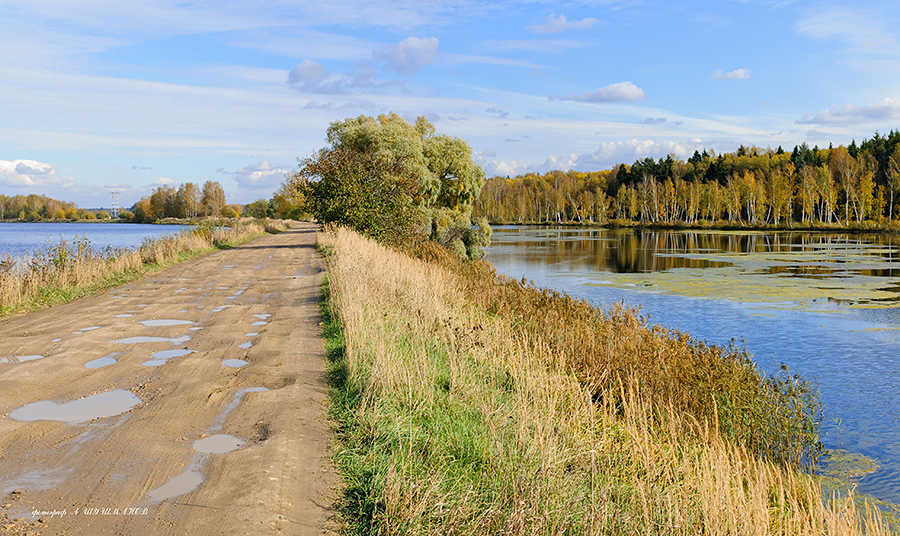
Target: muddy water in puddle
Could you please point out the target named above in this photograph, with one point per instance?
(164, 322)
(106, 404)
(218, 444)
(21, 358)
(162, 357)
(186, 482)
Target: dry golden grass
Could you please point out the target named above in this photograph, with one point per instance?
(79, 265)
(453, 418)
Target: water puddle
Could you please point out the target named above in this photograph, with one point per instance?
(251, 334)
(235, 363)
(92, 328)
(220, 308)
(124, 315)
(21, 358)
(56, 340)
(263, 316)
(92, 407)
(103, 361)
(260, 323)
(198, 328)
(186, 482)
(218, 444)
(139, 340)
(180, 290)
(164, 322)
(245, 345)
(162, 357)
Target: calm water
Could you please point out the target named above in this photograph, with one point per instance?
(826, 305)
(18, 239)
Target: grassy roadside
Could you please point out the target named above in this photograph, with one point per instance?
(461, 409)
(67, 272)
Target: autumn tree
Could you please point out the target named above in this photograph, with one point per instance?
(393, 180)
(213, 198)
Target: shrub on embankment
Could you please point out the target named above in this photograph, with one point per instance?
(459, 413)
(64, 271)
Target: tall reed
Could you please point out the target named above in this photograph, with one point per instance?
(775, 416)
(78, 265)
(453, 419)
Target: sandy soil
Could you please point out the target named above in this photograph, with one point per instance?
(136, 469)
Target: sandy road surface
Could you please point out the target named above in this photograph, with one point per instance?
(146, 456)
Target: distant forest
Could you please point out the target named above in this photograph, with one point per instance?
(845, 186)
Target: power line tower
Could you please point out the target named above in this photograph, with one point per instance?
(115, 204)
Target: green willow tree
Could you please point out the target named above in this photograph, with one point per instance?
(395, 181)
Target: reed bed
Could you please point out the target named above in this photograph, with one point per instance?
(456, 418)
(65, 269)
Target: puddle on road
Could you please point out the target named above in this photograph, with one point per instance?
(103, 361)
(220, 308)
(164, 322)
(139, 340)
(123, 315)
(162, 357)
(245, 345)
(260, 323)
(218, 444)
(92, 407)
(263, 316)
(251, 334)
(56, 340)
(186, 482)
(235, 363)
(92, 328)
(21, 358)
(180, 290)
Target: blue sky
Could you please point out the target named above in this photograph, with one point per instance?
(99, 95)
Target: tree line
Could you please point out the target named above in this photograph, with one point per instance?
(853, 185)
(35, 207)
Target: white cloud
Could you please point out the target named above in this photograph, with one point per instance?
(619, 92)
(608, 154)
(653, 121)
(553, 24)
(162, 181)
(885, 110)
(856, 27)
(737, 74)
(314, 78)
(409, 56)
(29, 173)
(261, 176)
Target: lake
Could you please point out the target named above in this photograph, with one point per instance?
(17, 239)
(826, 305)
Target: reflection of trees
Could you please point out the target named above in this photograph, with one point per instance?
(638, 251)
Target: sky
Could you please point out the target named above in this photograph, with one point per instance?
(127, 95)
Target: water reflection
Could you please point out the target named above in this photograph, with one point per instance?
(800, 254)
(824, 304)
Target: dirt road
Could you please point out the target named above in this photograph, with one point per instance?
(190, 402)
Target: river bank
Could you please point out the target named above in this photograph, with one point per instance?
(468, 404)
